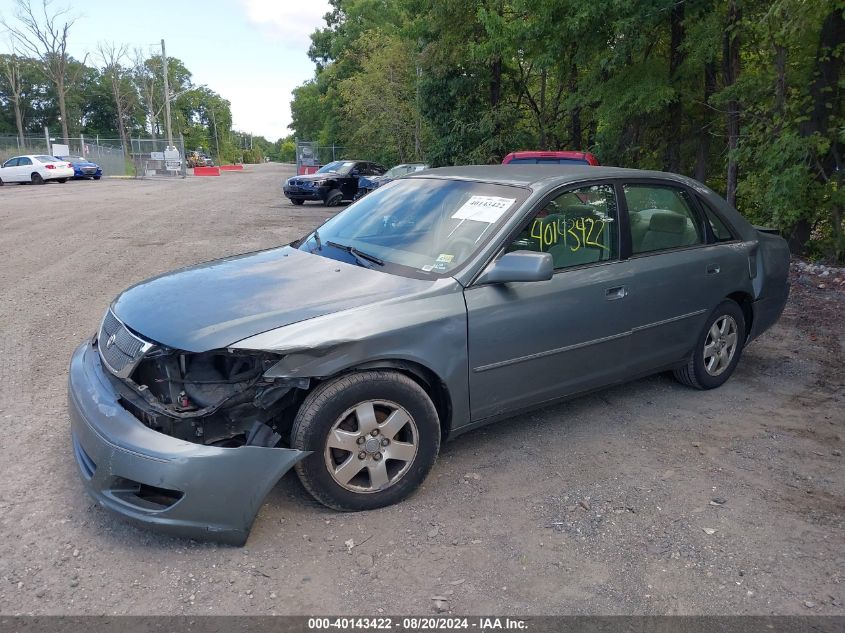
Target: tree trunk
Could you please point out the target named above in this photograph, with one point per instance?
(672, 160)
(495, 97)
(543, 115)
(730, 70)
(576, 131)
(19, 121)
(702, 154)
(60, 88)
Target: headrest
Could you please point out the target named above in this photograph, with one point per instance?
(667, 223)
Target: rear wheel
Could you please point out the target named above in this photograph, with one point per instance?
(334, 198)
(36, 179)
(374, 437)
(297, 201)
(62, 180)
(718, 349)
(97, 177)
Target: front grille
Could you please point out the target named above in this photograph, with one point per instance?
(120, 350)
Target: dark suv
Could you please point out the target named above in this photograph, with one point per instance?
(332, 183)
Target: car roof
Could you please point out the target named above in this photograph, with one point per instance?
(541, 176)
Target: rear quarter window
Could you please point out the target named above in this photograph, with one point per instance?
(721, 231)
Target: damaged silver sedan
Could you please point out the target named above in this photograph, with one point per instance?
(440, 302)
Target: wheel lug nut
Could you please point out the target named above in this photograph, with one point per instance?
(361, 440)
(362, 455)
(385, 441)
(377, 456)
(374, 432)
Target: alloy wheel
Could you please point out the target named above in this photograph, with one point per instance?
(720, 345)
(371, 446)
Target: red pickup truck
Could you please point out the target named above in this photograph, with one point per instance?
(550, 158)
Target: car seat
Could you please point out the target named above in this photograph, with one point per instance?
(667, 230)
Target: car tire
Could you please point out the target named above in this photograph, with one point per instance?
(718, 349)
(36, 179)
(297, 202)
(62, 180)
(97, 177)
(343, 471)
(1, 182)
(334, 198)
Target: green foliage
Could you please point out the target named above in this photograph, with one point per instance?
(641, 83)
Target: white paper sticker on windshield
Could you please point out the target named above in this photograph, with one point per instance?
(484, 209)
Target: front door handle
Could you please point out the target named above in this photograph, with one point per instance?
(619, 292)
(713, 269)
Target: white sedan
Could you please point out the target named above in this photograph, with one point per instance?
(37, 169)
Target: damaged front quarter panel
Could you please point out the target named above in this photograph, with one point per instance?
(427, 329)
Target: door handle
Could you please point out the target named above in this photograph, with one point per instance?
(713, 269)
(619, 292)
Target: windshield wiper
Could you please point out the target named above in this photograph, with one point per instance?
(358, 254)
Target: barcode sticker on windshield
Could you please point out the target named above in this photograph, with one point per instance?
(483, 209)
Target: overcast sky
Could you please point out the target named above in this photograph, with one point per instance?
(252, 52)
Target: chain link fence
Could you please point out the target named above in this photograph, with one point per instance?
(151, 157)
(146, 157)
(310, 156)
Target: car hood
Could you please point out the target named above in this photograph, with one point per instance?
(320, 176)
(215, 304)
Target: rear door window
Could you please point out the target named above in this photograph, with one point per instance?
(661, 218)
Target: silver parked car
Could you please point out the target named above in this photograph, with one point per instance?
(441, 302)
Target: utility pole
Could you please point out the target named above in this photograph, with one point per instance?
(216, 140)
(166, 96)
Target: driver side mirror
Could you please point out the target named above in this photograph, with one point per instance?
(518, 266)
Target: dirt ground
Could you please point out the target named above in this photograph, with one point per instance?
(603, 505)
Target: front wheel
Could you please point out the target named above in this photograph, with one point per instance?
(297, 201)
(718, 349)
(374, 436)
(334, 198)
(97, 177)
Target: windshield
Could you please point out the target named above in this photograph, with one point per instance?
(47, 159)
(419, 227)
(401, 170)
(338, 166)
(75, 159)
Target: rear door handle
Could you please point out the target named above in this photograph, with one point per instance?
(713, 269)
(619, 292)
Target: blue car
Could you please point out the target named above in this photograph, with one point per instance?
(83, 168)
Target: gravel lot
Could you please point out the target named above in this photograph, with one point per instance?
(600, 505)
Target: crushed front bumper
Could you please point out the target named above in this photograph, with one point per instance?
(293, 192)
(158, 481)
